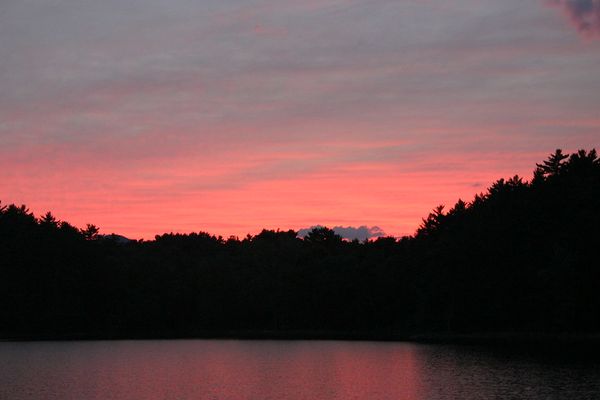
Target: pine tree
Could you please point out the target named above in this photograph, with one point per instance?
(552, 166)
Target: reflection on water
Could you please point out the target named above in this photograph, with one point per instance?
(229, 369)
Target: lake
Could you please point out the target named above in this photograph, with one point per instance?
(263, 370)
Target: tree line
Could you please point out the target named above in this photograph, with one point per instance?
(521, 257)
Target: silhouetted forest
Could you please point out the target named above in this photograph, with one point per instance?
(521, 257)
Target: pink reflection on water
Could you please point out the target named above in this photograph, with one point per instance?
(209, 370)
(294, 370)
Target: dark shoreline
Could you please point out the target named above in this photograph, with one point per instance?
(508, 339)
(518, 261)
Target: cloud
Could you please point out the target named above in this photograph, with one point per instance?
(350, 232)
(583, 14)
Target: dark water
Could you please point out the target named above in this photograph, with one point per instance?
(262, 370)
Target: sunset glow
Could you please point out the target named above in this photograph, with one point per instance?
(229, 117)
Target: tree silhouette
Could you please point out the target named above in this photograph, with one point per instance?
(49, 221)
(519, 257)
(433, 221)
(553, 165)
(322, 235)
(90, 232)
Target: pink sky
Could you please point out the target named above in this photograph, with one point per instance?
(230, 117)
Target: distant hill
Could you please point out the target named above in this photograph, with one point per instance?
(116, 238)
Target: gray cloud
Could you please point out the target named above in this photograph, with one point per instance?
(350, 232)
(85, 72)
(583, 14)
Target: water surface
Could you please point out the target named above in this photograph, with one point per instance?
(263, 370)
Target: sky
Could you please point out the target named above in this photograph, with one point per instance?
(148, 116)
